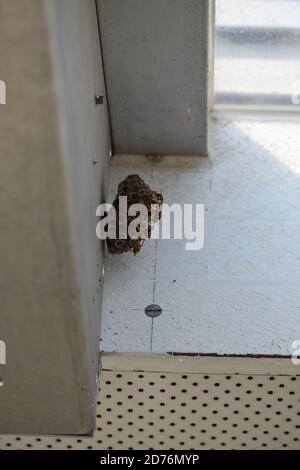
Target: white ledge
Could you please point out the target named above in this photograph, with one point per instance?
(240, 293)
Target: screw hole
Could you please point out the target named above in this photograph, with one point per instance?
(99, 99)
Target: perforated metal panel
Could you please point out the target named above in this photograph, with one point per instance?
(176, 410)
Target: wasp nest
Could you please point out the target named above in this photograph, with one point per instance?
(137, 192)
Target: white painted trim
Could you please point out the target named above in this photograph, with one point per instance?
(197, 364)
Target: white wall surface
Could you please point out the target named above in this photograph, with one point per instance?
(156, 63)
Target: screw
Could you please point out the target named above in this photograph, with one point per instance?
(99, 99)
(153, 311)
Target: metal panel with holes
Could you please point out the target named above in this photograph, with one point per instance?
(189, 403)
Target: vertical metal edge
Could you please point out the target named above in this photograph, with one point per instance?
(104, 75)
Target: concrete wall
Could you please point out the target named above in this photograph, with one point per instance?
(54, 156)
(156, 62)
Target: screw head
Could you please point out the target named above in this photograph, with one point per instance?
(153, 311)
(99, 99)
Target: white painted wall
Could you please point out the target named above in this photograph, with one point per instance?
(156, 63)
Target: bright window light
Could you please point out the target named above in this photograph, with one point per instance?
(257, 54)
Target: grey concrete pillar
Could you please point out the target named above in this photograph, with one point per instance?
(53, 168)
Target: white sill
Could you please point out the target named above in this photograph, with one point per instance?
(241, 293)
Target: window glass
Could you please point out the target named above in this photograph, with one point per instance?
(257, 53)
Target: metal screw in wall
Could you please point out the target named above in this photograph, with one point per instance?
(153, 311)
